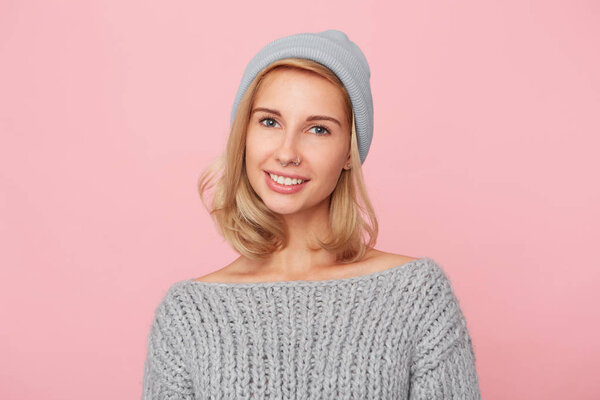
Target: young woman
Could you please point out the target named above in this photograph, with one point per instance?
(310, 309)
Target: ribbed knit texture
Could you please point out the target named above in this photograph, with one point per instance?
(393, 334)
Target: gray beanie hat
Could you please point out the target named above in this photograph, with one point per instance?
(333, 49)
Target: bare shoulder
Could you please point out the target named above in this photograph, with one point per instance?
(380, 260)
(211, 277)
(374, 261)
(225, 274)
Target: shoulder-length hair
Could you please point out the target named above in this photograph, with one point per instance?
(244, 220)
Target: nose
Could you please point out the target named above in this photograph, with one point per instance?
(288, 149)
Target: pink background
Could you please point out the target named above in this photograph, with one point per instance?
(484, 158)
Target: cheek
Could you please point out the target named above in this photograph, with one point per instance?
(251, 148)
(328, 173)
(256, 154)
(255, 147)
(329, 157)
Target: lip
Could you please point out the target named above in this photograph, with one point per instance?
(292, 176)
(283, 189)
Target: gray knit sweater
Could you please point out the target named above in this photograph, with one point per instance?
(393, 334)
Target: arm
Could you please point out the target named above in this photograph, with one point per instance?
(443, 365)
(166, 376)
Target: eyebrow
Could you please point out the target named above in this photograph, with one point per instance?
(310, 118)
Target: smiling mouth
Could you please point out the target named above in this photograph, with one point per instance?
(284, 180)
(283, 175)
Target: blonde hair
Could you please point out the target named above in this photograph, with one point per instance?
(249, 226)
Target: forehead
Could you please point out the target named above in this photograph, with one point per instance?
(287, 88)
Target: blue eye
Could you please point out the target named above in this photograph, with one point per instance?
(267, 119)
(322, 128)
(324, 131)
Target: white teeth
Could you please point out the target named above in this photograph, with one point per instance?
(285, 181)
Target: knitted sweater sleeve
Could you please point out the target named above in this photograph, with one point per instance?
(166, 375)
(443, 365)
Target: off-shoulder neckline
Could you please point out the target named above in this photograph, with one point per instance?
(322, 282)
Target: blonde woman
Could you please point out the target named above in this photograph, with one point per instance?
(310, 309)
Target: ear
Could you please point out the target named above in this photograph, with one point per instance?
(348, 163)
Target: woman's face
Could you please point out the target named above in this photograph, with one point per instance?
(283, 127)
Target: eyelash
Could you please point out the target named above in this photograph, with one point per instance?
(316, 126)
